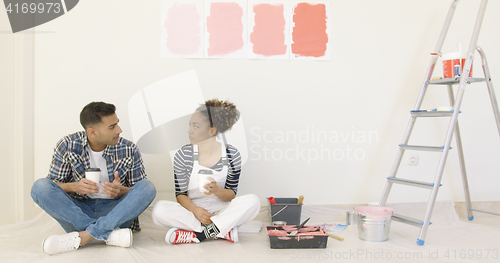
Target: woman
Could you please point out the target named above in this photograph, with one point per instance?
(207, 209)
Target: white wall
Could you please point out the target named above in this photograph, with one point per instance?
(102, 50)
(7, 133)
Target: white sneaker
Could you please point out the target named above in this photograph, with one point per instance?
(61, 243)
(121, 237)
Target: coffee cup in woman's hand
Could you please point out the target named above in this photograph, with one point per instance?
(203, 181)
(210, 186)
(204, 177)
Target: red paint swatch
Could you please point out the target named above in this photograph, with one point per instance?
(225, 28)
(268, 36)
(309, 33)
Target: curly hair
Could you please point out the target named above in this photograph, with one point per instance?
(222, 115)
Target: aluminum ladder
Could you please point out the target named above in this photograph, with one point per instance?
(453, 127)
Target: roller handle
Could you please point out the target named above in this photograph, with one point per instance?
(336, 237)
(301, 199)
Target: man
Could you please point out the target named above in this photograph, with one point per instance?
(86, 210)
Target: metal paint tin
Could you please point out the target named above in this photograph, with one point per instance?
(374, 223)
(350, 218)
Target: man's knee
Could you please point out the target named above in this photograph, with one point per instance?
(40, 187)
(146, 188)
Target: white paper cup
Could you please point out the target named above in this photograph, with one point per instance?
(203, 179)
(93, 174)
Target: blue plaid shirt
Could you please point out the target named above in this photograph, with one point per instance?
(71, 158)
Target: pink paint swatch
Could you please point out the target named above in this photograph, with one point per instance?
(225, 28)
(183, 29)
(309, 33)
(268, 36)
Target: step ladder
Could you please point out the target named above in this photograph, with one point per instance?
(453, 127)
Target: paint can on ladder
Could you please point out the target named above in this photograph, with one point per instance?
(453, 63)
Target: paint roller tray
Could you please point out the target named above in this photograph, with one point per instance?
(307, 237)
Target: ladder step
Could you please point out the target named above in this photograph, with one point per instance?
(422, 148)
(431, 113)
(411, 182)
(408, 220)
(456, 80)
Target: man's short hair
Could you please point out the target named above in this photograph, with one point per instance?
(94, 111)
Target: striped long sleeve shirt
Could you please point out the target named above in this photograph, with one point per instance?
(183, 166)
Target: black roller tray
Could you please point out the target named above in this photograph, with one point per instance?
(279, 239)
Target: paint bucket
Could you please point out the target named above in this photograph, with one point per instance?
(286, 209)
(453, 63)
(373, 222)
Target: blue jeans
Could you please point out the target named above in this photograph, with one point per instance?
(97, 216)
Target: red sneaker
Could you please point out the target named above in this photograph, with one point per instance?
(179, 236)
(232, 235)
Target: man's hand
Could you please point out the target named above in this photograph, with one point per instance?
(202, 215)
(85, 186)
(112, 189)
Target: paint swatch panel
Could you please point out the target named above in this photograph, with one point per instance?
(182, 29)
(309, 34)
(258, 29)
(224, 26)
(268, 36)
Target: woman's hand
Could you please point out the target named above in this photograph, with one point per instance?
(202, 215)
(222, 193)
(212, 187)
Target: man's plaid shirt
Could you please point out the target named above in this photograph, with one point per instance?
(71, 158)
